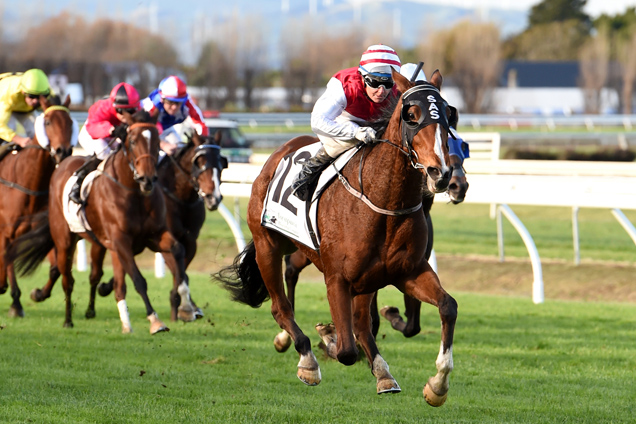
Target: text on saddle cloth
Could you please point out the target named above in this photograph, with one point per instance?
(284, 212)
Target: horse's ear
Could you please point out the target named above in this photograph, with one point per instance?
(67, 101)
(402, 82)
(217, 138)
(44, 102)
(436, 79)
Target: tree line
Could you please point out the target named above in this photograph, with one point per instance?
(101, 53)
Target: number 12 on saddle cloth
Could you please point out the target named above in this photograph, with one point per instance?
(284, 212)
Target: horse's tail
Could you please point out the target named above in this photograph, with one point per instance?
(29, 250)
(243, 279)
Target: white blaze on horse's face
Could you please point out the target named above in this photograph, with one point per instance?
(439, 149)
(148, 136)
(216, 179)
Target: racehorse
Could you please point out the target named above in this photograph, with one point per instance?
(364, 245)
(24, 182)
(297, 261)
(190, 181)
(126, 214)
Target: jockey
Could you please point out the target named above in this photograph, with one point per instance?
(19, 97)
(456, 146)
(172, 105)
(354, 99)
(97, 136)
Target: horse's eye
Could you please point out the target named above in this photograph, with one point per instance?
(47, 122)
(411, 116)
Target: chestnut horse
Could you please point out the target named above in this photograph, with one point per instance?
(297, 261)
(126, 214)
(191, 181)
(24, 183)
(362, 249)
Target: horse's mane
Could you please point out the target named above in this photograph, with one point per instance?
(385, 116)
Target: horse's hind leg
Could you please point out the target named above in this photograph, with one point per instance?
(294, 264)
(15, 310)
(269, 263)
(97, 264)
(427, 288)
(39, 295)
(362, 326)
(174, 255)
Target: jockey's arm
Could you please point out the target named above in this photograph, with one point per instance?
(6, 133)
(197, 118)
(328, 107)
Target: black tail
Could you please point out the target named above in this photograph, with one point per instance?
(243, 279)
(29, 250)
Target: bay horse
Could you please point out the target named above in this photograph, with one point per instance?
(24, 183)
(362, 250)
(297, 261)
(126, 214)
(190, 181)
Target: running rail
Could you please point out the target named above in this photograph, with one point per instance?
(537, 271)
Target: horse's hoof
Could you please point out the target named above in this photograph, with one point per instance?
(90, 313)
(310, 377)
(198, 313)
(68, 324)
(36, 295)
(104, 289)
(126, 330)
(433, 398)
(389, 310)
(16, 312)
(282, 341)
(187, 316)
(388, 385)
(158, 329)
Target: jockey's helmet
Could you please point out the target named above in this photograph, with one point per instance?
(408, 69)
(378, 61)
(124, 96)
(173, 88)
(35, 82)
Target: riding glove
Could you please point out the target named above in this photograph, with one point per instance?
(366, 135)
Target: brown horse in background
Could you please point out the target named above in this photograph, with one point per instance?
(362, 250)
(191, 181)
(24, 185)
(126, 214)
(297, 261)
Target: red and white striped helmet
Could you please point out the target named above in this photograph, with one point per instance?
(173, 88)
(378, 60)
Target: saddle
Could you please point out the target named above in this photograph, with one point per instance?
(8, 147)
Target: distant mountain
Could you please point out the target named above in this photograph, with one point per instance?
(410, 20)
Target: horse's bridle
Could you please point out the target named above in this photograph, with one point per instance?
(128, 153)
(213, 159)
(44, 135)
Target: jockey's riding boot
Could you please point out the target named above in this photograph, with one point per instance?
(6, 148)
(81, 173)
(302, 186)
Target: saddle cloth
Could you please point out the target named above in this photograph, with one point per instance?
(284, 212)
(75, 214)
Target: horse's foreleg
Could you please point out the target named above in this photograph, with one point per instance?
(340, 303)
(97, 264)
(124, 263)
(174, 255)
(119, 287)
(269, 263)
(427, 288)
(362, 322)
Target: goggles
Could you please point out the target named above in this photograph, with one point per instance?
(128, 110)
(375, 81)
(35, 96)
(167, 102)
